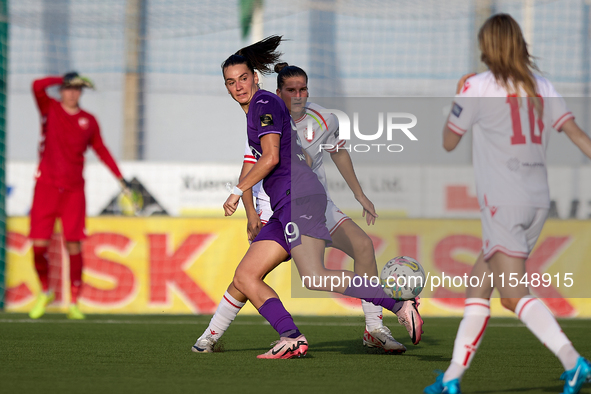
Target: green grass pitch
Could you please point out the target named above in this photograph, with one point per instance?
(147, 354)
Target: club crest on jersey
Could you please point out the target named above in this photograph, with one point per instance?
(266, 120)
(309, 134)
(456, 110)
(83, 123)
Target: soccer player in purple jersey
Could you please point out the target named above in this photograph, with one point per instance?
(298, 225)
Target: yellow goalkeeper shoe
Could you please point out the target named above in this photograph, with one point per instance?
(42, 301)
(75, 314)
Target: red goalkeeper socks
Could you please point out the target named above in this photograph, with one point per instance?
(42, 265)
(75, 276)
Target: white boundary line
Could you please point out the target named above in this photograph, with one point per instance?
(237, 323)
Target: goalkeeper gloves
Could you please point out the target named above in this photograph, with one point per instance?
(125, 185)
(72, 79)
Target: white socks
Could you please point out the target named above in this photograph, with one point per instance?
(469, 336)
(229, 307)
(373, 315)
(540, 321)
(531, 311)
(227, 310)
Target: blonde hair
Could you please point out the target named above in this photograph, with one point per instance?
(504, 51)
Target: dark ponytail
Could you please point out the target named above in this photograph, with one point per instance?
(258, 56)
(285, 71)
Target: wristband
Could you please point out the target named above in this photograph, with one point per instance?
(237, 191)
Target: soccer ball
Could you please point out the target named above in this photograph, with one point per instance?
(402, 278)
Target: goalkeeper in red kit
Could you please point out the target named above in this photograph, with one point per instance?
(67, 131)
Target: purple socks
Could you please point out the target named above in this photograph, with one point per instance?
(279, 318)
(372, 294)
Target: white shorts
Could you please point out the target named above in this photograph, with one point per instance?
(334, 216)
(264, 210)
(512, 230)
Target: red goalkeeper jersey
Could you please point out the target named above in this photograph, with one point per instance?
(64, 140)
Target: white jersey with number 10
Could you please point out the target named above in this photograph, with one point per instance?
(510, 139)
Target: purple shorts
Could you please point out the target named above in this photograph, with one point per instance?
(302, 216)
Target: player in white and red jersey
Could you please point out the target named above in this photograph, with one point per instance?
(509, 159)
(511, 113)
(316, 129)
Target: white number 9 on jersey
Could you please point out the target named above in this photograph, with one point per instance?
(292, 232)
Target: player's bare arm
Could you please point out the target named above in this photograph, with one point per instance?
(268, 160)
(253, 220)
(450, 139)
(344, 164)
(577, 136)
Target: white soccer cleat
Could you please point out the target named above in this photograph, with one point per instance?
(287, 348)
(204, 344)
(382, 338)
(410, 318)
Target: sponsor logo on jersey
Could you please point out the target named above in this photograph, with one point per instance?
(513, 164)
(83, 123)
(534, 164)
(457, 110)
(266, 120)
(262, 102)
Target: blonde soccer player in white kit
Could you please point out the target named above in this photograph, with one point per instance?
(511, 112)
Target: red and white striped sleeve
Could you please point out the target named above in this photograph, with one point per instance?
(248, 156)
(464, 109)
(556, 107)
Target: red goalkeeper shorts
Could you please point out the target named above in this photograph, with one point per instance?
(49, 203)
